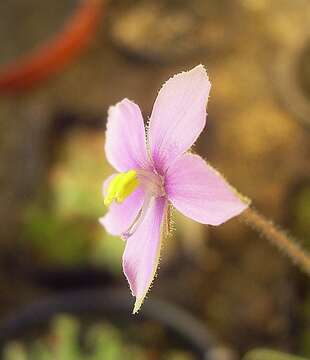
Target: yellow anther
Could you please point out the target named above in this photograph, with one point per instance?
(121, 187)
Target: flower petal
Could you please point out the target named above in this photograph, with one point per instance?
(120, 216)
(141, 256)
(200, 192)
(178, 116)
(125, 145)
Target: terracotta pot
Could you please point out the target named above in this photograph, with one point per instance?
(35, 68)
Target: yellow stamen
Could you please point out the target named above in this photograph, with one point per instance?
(121, 187)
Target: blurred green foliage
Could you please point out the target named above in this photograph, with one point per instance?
(267, 354)
(76, 178)
(301, 227)
(301, 207)
(62, 226)
(55, 240)
(68, 340)
(305, 336)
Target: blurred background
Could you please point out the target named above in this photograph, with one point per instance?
(62, 64)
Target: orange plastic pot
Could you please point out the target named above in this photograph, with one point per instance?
(51, 57)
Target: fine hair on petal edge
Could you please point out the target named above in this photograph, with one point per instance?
(139, 302)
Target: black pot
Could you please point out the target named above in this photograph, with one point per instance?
(112, 304)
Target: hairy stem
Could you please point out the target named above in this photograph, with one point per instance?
(285, 243)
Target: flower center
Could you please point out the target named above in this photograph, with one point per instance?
(124, 184)
(151, 183)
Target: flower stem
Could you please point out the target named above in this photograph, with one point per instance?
(282, 241)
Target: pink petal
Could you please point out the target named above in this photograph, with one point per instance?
(125, 145)
(120, 216)
(179, 116)
(141, 256)
(200, 192)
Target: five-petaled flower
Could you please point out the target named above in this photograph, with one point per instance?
(155, 170)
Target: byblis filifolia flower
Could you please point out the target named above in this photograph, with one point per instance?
(155, 169)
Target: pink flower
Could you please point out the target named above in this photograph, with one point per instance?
(155, 169)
